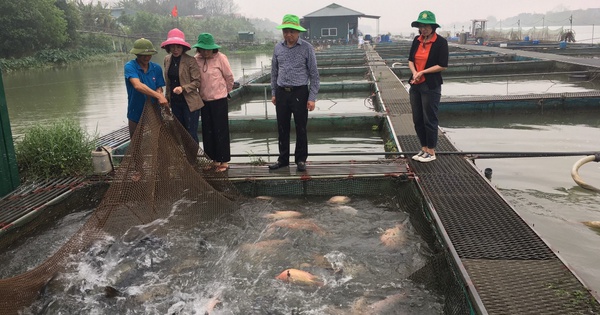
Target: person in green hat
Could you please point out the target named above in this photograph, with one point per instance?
(294, 87)
(143, 79)
(216, 81)
(427, 58)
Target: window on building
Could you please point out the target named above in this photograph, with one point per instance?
(328, 32)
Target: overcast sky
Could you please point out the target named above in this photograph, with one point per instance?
(396, 15)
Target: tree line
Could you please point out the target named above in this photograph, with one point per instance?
(33, 26)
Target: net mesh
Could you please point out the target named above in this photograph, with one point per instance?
(534, 33)
(163, 165)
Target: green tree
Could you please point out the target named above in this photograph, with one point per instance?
(97, 17)
(73, 19)
(31, 25)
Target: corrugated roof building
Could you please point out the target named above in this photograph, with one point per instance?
(334, 22)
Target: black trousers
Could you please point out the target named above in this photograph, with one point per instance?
(215, 130)
(292, 102)
(424, 104)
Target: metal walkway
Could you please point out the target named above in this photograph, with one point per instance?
(506, 266)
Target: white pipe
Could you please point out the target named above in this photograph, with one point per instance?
(577, 178)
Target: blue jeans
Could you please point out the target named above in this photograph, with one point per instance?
(424, 103)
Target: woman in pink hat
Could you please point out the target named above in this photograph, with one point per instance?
(182, 77)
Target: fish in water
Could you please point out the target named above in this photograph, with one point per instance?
(266, 198)
(389, 305)
(283, 214)
(213, 303)
(111, 292)
(394, 237)
(266, 246)
(297, 276)
(297, 224)
(339, 200)
(345, 209)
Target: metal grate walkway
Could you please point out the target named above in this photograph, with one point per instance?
(27, 201)
(507, 267)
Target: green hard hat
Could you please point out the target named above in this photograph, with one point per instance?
(143, 46)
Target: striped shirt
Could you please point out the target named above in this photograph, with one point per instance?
(295, 66)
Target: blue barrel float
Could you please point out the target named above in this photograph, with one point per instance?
(562, 45)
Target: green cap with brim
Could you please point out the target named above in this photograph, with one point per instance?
(291, 21)
(206, 41)
(143, 47)
(425, 17)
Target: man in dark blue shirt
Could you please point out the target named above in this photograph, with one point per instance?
(294, 88)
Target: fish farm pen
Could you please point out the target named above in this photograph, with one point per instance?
(474, 253)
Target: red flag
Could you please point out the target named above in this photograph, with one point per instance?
(174, 11)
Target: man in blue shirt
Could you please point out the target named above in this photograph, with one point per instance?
(143, 79)
(294, 88)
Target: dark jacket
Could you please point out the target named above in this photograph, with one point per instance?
(438, 55)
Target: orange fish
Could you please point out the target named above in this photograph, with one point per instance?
(297, 224)
(339, 200)
(296, 276)
(264, 246)
(387, 305)
(394, 237)
(284, 214)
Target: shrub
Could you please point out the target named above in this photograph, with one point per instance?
(57, 150)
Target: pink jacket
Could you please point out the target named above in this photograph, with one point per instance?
(215, 76)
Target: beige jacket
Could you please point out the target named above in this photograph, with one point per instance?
(189, 77)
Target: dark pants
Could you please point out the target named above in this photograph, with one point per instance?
(188, 119)
(290, 103)
(215, 130)
(424, 103)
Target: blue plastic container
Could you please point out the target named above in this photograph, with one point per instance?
(562, 45)
(526, 38)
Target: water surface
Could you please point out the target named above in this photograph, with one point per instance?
(541, 188)
(182, 271)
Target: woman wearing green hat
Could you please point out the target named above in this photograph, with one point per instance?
(143, 79)
(216, 80)
(427, 58)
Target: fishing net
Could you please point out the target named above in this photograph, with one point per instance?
(162, 167)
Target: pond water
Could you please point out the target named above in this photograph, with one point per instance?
(252, 145)
(92, 93)
(517, 85)
(237, 258)
(328, 104)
